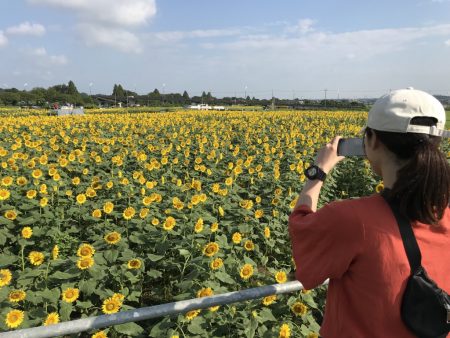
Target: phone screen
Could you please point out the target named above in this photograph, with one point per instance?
(351, 147)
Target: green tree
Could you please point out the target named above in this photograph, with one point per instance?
(72, 89)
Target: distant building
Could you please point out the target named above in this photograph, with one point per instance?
(205, 107)
(69, 110)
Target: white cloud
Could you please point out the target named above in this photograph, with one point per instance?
(58, 59)
(447, 42)
(39, 51)
(26, 28)
(303, 26)
(45, 58)
(120, 39)
(208, 33)
(364, 42)
(108, 23)
(122, 13)
(3, 39)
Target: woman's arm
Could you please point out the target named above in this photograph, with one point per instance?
(326, 159)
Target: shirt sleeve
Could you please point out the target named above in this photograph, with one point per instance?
(325, 242)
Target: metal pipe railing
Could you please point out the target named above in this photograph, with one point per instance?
(91, 323)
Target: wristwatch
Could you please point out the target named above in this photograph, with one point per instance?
(315, 173)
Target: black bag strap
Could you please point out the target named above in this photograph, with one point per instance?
(406, 231)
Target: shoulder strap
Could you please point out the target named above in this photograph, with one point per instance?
(408, 238)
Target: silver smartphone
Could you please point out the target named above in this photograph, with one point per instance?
(351, 147)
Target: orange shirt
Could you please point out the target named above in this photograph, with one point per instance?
(357, 244)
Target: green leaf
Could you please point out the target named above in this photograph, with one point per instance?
(136, 239)
(111, 255)
(224, 277)
(87, 287)
(266, 315)
(194, 326)
(6, 260)
(65, 310)
(184, 252)
(84, 305)
(51, 295)
(154, 258)
(154, 273)
(62, 275)
(129, 329)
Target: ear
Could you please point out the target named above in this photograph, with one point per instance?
(374, 142)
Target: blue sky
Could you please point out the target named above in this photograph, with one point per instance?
(295, 48)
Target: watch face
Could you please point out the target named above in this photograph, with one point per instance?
(312, 171)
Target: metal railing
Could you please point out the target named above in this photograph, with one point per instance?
(169, 309)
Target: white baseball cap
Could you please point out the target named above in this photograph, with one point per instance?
(394, 111)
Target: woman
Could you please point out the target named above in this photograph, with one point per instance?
(356, 243)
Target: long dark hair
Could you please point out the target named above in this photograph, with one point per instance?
(423, 183)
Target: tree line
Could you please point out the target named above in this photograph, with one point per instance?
(68, 94)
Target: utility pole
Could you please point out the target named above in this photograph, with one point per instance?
(273, 101)
(325, 91)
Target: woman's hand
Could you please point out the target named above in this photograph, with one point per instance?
(327, 157)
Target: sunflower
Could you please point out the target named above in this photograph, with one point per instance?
(155, 221)
(43, 202)
(216, 264)
(269, 300)
(21, 180)
(10, 214)
(221, 212)
(236, 238)
(146, 201)
(52, 318)
(119, 297)
(267, 232)
(211, 249)
(246, 271)
(285, 331)
(84, 263)
(36, 258)
(143, 213)
(205, 292)
(108, 207)
(134, 263)
(281, 277)
(97, 213)
(81, 198)
(380, 187)
(70, 295)
(199, 225)
(169, 223)
(192, 314)
(259, 213)
(55, 252)
(214, 227)
(16, 296)
(99, 334)
(37, 173)
(214, 308)
(31, 194)
(7, 181)
(14, 318)
(4, 194)
(312, 335)
(229, 181)
(249, 246)
(112, 237)
(85, 250)
(111, 305)
(299, 309)
(129, 213)
(27, 232)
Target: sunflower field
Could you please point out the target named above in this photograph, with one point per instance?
(108, 212)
